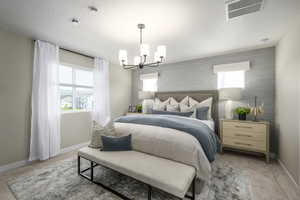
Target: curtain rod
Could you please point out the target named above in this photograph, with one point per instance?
(77, 53)
(92, 57)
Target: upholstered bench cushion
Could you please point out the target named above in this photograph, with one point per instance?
(169, 176)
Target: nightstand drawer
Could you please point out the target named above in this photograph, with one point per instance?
(245, 135)
(245, 127)
(246, 144)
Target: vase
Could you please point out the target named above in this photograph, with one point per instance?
(242, 116)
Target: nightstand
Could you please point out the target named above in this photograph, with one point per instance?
(134, 113)
(245, 135)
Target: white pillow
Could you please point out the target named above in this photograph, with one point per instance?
(173, 108)
(159, 105)
(206, 103)
(186, 108)
(174, 105)
(185, 101)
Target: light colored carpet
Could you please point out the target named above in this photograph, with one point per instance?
(61, 182)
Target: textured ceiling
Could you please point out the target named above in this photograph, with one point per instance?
(189, 28)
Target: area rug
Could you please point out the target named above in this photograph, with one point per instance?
(61, 182)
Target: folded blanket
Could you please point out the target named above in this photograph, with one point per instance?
(205, 136)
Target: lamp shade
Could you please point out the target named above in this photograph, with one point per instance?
(161, 50)
(123, 56)
(233, 94)
(144, 50)
(146, 95)
(137, 60)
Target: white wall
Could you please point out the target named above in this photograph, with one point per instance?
(16, 53)
(287, 100)
(16, 58)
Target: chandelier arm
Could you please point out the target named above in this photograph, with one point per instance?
(129, 66)
(154, 64)
(141, 35)
(145, 59)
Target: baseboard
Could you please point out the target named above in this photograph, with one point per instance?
(289, 174)
(14, 165)
(22, 163)
(74, 147)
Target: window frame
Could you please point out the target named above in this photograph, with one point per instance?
(74, 86)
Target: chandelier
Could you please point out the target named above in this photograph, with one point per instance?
(141, 60)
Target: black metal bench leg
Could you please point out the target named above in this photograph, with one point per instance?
(78, 164)
(92, 171)
(194, 189)
(149, 192)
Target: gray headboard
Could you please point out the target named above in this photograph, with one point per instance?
(199, 96)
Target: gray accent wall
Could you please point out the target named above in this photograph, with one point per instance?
(16, 58)
(198, 75)
(288, 101)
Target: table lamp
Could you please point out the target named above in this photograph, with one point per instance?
(229, 95)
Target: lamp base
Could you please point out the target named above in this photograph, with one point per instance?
(147, 105)
(228, 110)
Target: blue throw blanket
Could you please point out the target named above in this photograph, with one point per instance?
(206, 137)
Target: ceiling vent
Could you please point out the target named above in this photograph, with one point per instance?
(237, 8)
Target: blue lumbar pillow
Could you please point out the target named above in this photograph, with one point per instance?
(201, 113)
(116, 143)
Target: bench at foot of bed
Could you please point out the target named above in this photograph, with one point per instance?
(169, 176)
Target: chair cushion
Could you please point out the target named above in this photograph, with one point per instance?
(169, 176)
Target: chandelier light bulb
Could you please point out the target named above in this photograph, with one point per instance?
(161, 51)
(145, 50)
(137, 60)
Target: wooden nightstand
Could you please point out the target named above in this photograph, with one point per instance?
(245, 135)
(134, 113)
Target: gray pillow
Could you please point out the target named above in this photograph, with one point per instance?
(201, 113)
(160, 112)
(116, 143)
(98, 131)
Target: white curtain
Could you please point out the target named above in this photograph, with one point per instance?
(45, 103)
(101, 111)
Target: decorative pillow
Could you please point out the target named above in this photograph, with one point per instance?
(173, 102)
(184, 101)
(201, 113)
(206, 103)
(186, 108)
(172, 108)
(160, 112)
(116, 143)
(97, 132)
(159, 105)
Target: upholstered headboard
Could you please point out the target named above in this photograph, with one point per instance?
(199, 96)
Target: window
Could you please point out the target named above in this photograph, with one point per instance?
(76, 88)
(149, 82)
(231, 79)
(150, 85)
(231, 75)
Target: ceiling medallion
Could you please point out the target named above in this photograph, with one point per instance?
(141, 61)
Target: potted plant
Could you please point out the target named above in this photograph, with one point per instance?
(242, 112)
(139, 108)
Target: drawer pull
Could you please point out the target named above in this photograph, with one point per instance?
(239, 143)
(243, 135)
(243, 127)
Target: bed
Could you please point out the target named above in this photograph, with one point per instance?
(182, 139)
